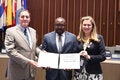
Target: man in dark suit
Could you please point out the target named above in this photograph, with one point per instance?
(51, 44)
(21, 49)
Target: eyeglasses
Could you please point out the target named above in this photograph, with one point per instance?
(23, 16)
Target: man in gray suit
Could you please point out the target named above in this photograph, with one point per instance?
(51, 44)
(20, 44)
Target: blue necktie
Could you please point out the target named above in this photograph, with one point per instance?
(26, 34)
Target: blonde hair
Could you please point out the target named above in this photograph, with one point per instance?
(93, 35)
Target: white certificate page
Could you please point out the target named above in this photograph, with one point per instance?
(48, 59)
(69, 61)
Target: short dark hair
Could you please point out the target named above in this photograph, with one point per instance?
(21, 10)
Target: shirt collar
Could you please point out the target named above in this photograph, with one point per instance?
(22, 28)
(63, 34)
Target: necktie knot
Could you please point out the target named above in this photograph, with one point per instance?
(25, 31)
(60, 36)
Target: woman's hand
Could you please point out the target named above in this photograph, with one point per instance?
(85, 54)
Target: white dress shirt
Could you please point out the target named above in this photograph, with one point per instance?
(62, 38)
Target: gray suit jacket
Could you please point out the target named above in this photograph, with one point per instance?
(19, 53)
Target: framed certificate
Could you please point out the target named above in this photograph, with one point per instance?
(59, 61)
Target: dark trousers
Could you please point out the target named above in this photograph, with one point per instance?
(55, 74)
(31, 78)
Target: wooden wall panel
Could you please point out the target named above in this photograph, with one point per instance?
(58, 8)
(105, 13)
(118, 32)
(77, 16)
(90, 7)
(104, 18)
(45, 7)
(117, 24)
(71, 15)
(97, 14)
(36, 10)
(67, 20)
(84, 10)
(115, 20)
(118, 5)
(110, 27)
(64, 6)
(51, 15)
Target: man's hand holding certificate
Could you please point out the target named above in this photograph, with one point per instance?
(59, 61)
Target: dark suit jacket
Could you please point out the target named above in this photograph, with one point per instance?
(49, 44)
(96, 50)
